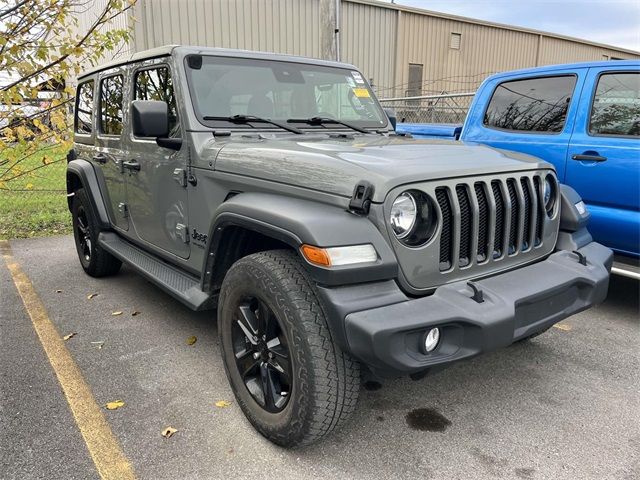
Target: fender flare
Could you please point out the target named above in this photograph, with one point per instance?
(295, 222)
(82, 172)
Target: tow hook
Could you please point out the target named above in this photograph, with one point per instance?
(582, 259)
(478, 296)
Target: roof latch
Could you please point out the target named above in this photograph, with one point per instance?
(361, 198)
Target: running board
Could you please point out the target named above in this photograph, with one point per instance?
(626, 267)
(171, 279)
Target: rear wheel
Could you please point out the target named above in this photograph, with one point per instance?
(94, 260)
(290, 379)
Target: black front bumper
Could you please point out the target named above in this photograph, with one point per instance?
(516, 304)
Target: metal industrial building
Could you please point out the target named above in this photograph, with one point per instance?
(404, 51)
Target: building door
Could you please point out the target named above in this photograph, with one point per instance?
(156, 187)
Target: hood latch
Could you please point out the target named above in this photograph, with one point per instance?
(361, 198)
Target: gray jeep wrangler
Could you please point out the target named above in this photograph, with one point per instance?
(274, 189)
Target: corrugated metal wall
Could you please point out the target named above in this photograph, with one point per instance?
(382, 39)
(283, 26)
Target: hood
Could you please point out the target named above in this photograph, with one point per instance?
(336, 165)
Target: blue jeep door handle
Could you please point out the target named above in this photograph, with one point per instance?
(589, 157)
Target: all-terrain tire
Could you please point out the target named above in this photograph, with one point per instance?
(94, 260)
(326, 380)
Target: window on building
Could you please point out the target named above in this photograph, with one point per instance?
(156, 84)
(455, 41)
(535, 104)
(84, 108)
(111, 105)
(415, 80)
(605, 57)
(616, 105)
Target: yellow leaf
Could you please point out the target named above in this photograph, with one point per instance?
(115, 314)
(563, 326)
(91, 295)
(29, 186)
(222, 404)
(67, 337)
(191, 340)
(167, 432)
(114, 405)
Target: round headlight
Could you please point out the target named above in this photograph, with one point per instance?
(403, 214)
(549, 194)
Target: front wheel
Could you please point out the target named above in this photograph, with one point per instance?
(291, 380)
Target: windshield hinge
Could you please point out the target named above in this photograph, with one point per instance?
(361, 198)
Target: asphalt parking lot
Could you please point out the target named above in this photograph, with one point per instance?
(563, 406)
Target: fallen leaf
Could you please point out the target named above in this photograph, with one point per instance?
(91, 295)
(167, 432)
(563, 326)
(135, 312)
(98, 345)
(222, 404)
(115, 314)
(67, 337)
(58, 291)
(191, 340)
(114, 405)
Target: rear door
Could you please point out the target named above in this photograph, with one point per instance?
(109, 149)
(531, 115)
(603, 160)
(157, 187)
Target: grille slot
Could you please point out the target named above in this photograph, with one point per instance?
(496, 214)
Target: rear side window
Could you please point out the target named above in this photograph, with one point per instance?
(84, 108)
(111, 105)
(616, 105)
(531, 105)
(156, 84)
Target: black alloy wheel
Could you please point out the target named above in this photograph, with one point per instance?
(262, 354)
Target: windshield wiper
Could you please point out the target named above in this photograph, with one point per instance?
(323, 120)
(244, 119)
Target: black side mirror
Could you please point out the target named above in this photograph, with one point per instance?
(391, 113)
(150, 118)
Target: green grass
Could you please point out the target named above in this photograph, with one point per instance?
(35, 204)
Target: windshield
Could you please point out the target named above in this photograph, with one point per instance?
(281, 91)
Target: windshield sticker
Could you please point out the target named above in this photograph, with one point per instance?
(357, 77)
(361, 92)
(351, 82)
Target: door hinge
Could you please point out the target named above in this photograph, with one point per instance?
(123, 208)
(361, 198)
(180, 176)
(182, 232)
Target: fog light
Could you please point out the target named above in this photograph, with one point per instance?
(431, 339)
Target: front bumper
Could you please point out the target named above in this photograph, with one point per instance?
(516, 304)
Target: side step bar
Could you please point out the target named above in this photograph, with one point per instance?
(626, 267)
(171, 279)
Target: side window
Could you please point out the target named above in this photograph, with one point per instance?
(156, 84)
(84, 108)
(111, 105)
(533, 105)
(616, 105)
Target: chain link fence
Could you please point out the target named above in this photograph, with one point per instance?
(444, 108)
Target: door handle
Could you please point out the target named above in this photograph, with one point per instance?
(100, 158)
(131, 165)
(589, 157)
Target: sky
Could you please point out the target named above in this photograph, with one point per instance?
(614, 22)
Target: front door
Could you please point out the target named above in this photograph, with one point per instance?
(156, 176)
(603, 160)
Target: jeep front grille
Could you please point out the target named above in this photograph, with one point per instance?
(489, 220)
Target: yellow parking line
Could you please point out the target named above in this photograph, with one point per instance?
(102, 444)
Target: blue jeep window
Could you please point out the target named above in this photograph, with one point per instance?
(111, 105)
(533, 104)
(156, 84)
(84, 108)
(616, 105)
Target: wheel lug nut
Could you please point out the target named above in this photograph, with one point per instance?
(270, 355)
(256, 355)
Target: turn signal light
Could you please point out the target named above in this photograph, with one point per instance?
(337, 256)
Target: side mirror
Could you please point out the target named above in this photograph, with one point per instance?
(391, 113)
(150, 118)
